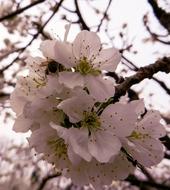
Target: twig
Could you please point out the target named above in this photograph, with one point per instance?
(104, 16)
(18, 11)
(40, 29)
(155, 36)
(46, 179)
(135, 68)
(142, 73)
(162, 16)
(81, 20)
(137, 182)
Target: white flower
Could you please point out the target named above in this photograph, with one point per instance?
(95, 136)
(88, 60)
(46, 140)
(43, 108)
(100, 174)
(143, 143)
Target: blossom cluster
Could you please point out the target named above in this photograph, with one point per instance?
(61, 102)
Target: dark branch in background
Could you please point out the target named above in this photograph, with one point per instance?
(161, 15)
(134, 181)
(143, 73)
(104, 16)
(18, 11)
(135, 68)
(155, 37)
(81, 20)
(46, 179)
(57, 6)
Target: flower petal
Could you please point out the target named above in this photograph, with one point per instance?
(107, 59)
(79, 141)
(86, 44)
(119, 118)
(74, 158)
(22, 124)
(102, 145)
(147, 151)
(63, 54)
(48, 48)
(150, 124)
(101, 89)
(75, 107)
(76, 138)
(71, 79)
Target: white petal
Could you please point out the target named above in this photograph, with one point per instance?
(103, 146)
(17, 101)
(48, 48)
(150, 124)
(48, 89)
(74, 107)
(79, 141)
(73, 157)
(120, 118)
(76, 138)
(139, 106)
(33, 63)
(78, 174)
(119, 169)
(63, 54)
(86, 44)
(147, 151)
(101, 89)
(22, 124)
(71, 79)
(107, 59)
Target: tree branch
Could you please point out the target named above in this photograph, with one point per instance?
(40, 29)
(142, 73)
(18, 11)
(104, 16)
(46, 179)
(134, 181)
(81, 20)
(161, 83)
(162, 16)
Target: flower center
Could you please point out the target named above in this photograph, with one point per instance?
(39, 82)
(138, 135)
(91, 121)
(58, 146)
(84, 67)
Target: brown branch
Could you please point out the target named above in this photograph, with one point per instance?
(46, 179)
(81, 20)
(155, 37)
(135, 68)
(162, 16)
(19, 11)
(104, 16)
(134, 181)
(9, 52)
(40, 29)
(142, 73)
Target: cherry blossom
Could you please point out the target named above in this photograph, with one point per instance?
(143, 143)
(92, 135)
(84, 61)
